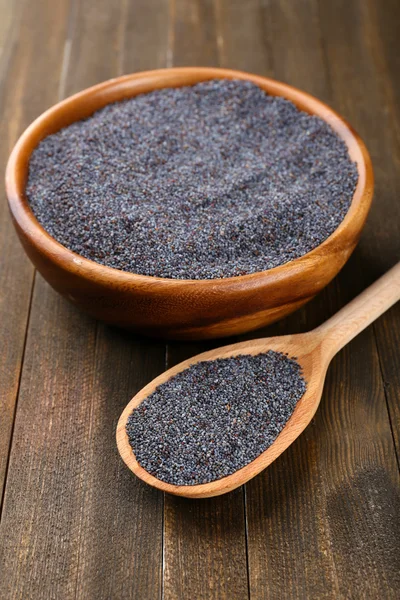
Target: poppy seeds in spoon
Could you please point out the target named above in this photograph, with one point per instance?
(215, 417)
(213, 180)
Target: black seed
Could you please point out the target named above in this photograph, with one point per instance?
(202, 182)
(185, 434)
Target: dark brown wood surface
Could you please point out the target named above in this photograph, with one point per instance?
(323, 520)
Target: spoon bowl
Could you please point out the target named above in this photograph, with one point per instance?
(300, 346)
(313, 351)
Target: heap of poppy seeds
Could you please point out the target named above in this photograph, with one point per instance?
(200, 182)
(215, 417)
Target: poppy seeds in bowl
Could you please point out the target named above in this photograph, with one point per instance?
(208, 181)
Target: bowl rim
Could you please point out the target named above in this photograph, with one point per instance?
(95, 97)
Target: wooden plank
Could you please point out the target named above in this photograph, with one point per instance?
(120, 553)
(374, 58)
(25, 91)
(202, 559)
(131, 565)
(10, 18)
(193, 39)
(242, 40)
(95, 45)
(204, 540)
(47, 476)
(76, 524)
(388, 340)
(314, 528)
(283, 518)
(146, 35)
(381, 24)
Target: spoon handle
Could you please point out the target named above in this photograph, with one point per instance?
(360, 312)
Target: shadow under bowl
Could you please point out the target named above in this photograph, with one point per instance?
(178, 308)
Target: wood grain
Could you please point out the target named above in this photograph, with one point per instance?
(193, 40)
(120, 532)
(9, 26)
(243, 42)
(146, 37)
(93, 24)
(373, 58)
(42, 513)
(381, 24)
(20, 72)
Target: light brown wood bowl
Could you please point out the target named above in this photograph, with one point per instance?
(182, 309)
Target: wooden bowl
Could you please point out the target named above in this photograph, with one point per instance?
(177, 308)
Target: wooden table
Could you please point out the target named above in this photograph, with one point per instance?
(323, 520)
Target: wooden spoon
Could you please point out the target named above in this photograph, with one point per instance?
(314, 351)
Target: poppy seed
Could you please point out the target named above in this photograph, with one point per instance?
(209, 181)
